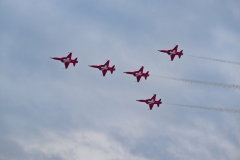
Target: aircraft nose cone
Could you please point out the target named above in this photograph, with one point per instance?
(89, 65)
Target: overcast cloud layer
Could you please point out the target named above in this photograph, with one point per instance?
(47, 112)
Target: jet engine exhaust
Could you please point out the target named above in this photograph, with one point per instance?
(212, 59)
(234, 86)
(228, 110)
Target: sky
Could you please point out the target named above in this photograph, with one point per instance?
(50, 113)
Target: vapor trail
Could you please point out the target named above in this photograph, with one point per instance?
(212, 59)
(208, 108)
(203, 82)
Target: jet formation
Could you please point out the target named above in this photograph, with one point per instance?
(138, 74)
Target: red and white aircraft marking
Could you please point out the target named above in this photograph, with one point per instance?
(173, 52)
(151, 101)
(138, 74)
(67, 60)
(104, 68)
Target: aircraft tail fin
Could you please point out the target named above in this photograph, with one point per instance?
(75, 61)
(159, 102)
(146, 75)
(113, 69)
(180, 54)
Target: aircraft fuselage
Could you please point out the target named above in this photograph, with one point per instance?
(151, 101)
(66, 60)
(104, 68)
(138, 74)
(172, 52)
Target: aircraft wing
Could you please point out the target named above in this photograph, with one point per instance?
(66, 64)
(151, 106)
(70, 55)
(172, 57)
(175, 48)
(141, 69)
(154, 97)
(104, 72)
(107, 63)
(138, 78)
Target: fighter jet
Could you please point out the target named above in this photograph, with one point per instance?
(67, 60)
(138, 74)
(104, 68)
(151, 101)
(173, 52)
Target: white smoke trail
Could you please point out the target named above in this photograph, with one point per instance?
(208, 108)
(212, 59)
(203, 82)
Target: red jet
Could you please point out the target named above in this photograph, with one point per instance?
(173, 52)
(104, 68)
(67, 60)
(138, 74)
(151, 101)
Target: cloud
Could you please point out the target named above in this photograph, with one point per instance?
(77, 145)
(199, 141)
